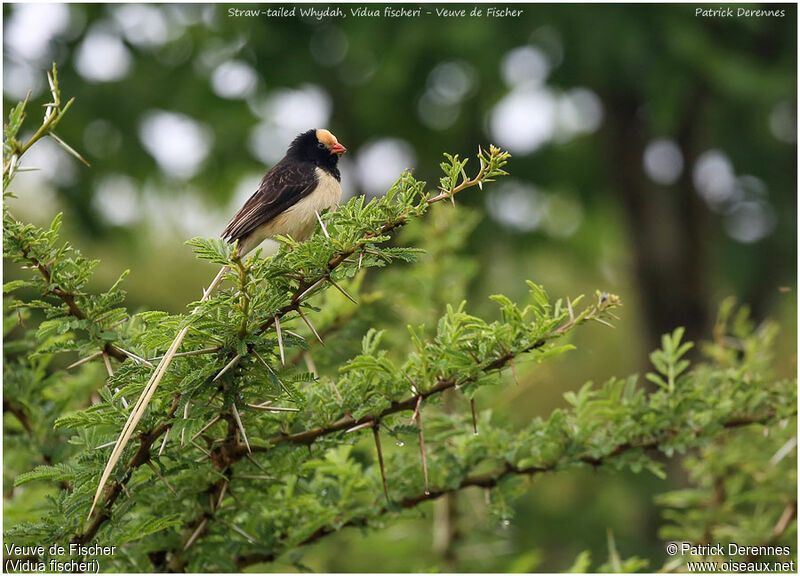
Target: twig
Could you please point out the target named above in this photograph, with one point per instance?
(474, 416)
(293, 305)
(272, 408)
(84, 360)
(164, 480)
(207, 426)
(487, 481)
(189, 353)
(227, 367)
(195, 534)
(66, 297)
(422, 444)
(310, 325)
(280, 339)
(238, 419)
(141, 455)
(376, 434)
(342, 290)
(346, 422)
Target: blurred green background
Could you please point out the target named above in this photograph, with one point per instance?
(654, 156)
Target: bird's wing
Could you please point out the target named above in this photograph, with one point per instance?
(283, 186)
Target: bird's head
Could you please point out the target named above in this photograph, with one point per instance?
(318, 146)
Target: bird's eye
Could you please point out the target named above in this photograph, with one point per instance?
(321, 146)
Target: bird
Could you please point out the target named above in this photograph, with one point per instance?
(288, 202)
(292, 194)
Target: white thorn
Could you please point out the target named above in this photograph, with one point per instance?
(228, 366)
(241, 427)
(325, 230)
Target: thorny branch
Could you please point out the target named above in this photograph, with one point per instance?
(67, 297)
(487, 480)
(226, 455)
(53, 115)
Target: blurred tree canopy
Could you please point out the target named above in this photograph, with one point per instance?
(654, 154)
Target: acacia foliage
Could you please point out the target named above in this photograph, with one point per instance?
(250, 450)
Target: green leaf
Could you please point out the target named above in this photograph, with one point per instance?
(581, 564)
(214, 250)
(149, 525)
(14, 285)
(57, 473)
(15, 119)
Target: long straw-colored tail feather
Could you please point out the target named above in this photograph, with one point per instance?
(144, 399)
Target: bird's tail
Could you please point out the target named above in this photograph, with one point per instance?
(147, 394)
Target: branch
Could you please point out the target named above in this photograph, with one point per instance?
(67, 297)
(486, 480)
(227, 454)
(307, 437)
(13, 149)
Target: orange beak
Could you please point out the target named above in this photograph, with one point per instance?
(337, 149)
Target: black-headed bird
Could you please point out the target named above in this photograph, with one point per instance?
(292, 194)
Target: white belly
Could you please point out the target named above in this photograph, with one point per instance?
(299, 220)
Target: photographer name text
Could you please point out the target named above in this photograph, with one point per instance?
(729, 12)
(718, 557)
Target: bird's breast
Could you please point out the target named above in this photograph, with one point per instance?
(327, 194)
(300, 219)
